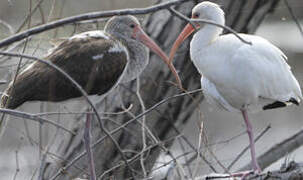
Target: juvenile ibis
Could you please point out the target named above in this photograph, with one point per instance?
(236, 76)
(96, 60)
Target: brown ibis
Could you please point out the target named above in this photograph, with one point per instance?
(236, 76)
(96, 60)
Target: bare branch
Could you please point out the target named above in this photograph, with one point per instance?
(93, 15)
(247, 147)
(279, 150)
(17, 163)
(71, 163)
(28, 17)
(68, 113)
(34, 118)
(191, 21)
(8, 26)
(84, 94)
(294, 17)
(143, 127)
(224, 27)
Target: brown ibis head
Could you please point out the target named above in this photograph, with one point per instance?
(128, 30)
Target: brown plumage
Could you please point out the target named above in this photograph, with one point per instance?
(96, 60)
(74, 56)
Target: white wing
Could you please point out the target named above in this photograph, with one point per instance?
(214, 97)
(266, 68)
(247, 75)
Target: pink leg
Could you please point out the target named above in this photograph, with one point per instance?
(251, 142)
(90, 158)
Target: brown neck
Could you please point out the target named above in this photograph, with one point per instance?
(138, 57)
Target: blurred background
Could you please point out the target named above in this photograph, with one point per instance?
(278, 27)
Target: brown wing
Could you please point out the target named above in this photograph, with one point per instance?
(90, 61)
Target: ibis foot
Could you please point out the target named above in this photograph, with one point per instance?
(244, 174)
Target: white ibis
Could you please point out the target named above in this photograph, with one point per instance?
(97, 60)
(237, 76)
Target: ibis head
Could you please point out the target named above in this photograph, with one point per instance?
(128, 30)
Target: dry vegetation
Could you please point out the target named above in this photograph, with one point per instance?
(144, 117)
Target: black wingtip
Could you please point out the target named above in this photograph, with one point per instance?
(294, 101)
(276, 104)
(279, 104)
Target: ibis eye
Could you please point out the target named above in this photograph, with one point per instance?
(132, 26)
(196, 15)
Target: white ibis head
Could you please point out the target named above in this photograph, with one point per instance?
(129, 28)
(205, 10)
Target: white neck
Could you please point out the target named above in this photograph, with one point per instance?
(205, 36)
(199, 46)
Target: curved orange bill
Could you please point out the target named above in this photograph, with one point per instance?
(140, 35)
(188, 30)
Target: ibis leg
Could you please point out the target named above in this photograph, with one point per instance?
(90, 157)
(255, 164)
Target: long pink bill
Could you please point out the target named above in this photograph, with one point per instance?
(143, 38)
(188, 30)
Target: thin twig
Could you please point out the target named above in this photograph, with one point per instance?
(223, 27)
(188, 142)
(12, 48)
(182, 17)
(34, 118)
(82, 91)
(136, 156)
(8, 26)
(17, 165)
(191, 21)
(199, 153)
(247, 147)
(3, 119)
(153, 137)
(18, 67)
(87, 16)
(72, 162)
(172, 161)
(27, 132)
(199, 146)
(69, 113)
(227, 140)
(92, 21)
(28, 17)
(143, 128)
(185, 158)
(42, 165)
(294, 17)
(40, 130)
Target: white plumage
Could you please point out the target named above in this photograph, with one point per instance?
(237, 76)
(240, 76)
